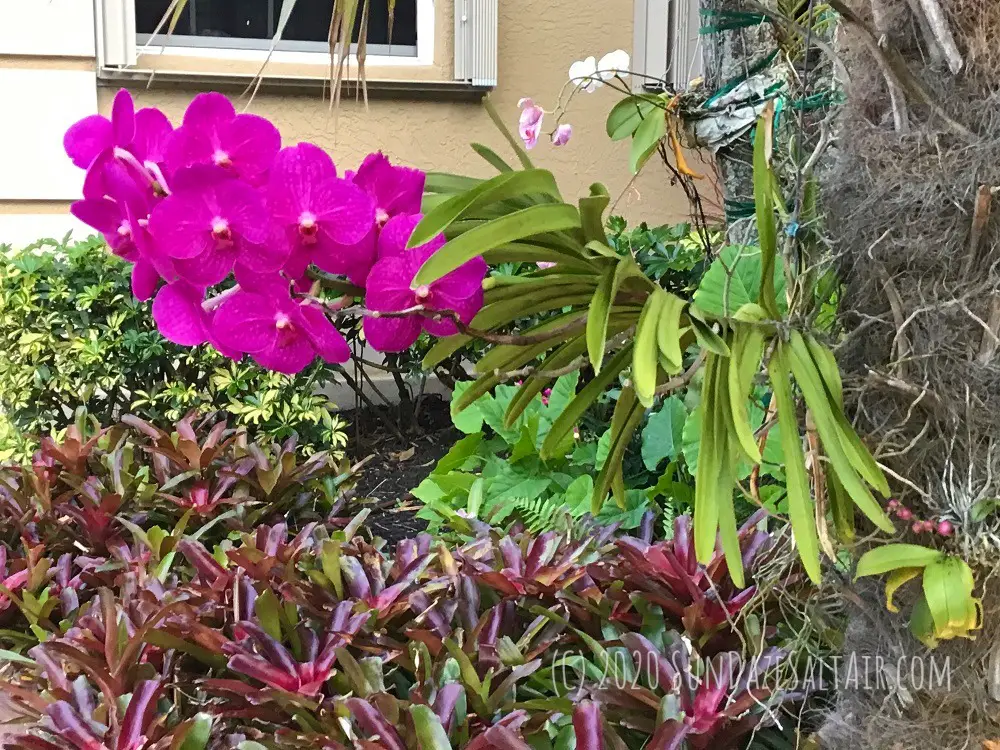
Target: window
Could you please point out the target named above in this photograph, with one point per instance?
(667, 43)
(229, 40)
(251, 24)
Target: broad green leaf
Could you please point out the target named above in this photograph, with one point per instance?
(662, 436)
(459, 454)
(647, 137)
(943, 592)
(896, 579)
(888, 557)
(546, 217)
(733, 280)
(577, 495)
(470, 419)
(500, 188)
(628, 114)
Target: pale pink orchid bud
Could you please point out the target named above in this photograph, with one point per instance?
(562, 135)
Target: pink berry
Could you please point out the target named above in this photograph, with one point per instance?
(905, 513)
(944, 528)
(893, 504)
(917, 527)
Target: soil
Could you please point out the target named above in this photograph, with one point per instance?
(399, 458)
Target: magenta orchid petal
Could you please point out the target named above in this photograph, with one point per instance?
(354, 261)
(392, 334)
(464, 281)
(396, 190)
(289, 355)
(181, 225)
(327, 340)
(251, 143)
(102, 214)
(123, 118)
(266, 257)
(209, 110)
(145, 277)
(396, 233)
(179, 315)
(152, 129)
(344, 211)
(246, 322)
(209, 268)
(466, 309)
(295, 171)
(86, 139)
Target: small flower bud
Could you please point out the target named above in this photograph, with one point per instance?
(945, 528)
(904, 513)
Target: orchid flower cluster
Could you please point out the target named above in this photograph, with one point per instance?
(584, 75)
(218, 200)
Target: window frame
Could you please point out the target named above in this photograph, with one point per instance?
(667, 31)
(120, 44)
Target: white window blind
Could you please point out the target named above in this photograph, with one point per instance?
(476, 41)
(667, 43)
(60, 28)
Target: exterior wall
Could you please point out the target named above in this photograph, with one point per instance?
(431, 128)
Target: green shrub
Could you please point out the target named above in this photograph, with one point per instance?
(73, 335)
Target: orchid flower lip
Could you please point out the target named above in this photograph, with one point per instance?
(221, 230)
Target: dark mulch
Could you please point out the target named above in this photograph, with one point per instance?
(397, 463)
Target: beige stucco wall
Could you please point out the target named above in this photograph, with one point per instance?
(538, 42)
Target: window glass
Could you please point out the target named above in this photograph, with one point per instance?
(308, 26)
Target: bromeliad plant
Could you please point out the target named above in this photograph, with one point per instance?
(321, 640)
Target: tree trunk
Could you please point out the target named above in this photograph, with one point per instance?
(907, 198)
(730, 55)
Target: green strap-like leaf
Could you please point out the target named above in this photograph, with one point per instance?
(492, 158)
(547, 217)
(427, 725)
(592, 213)
(600, 308)
(645, 362)
(830, 433)
(801, 511)
(668, 333)
(523, 252)
(707, 474)
(514, 142)
(588, 394)
(624, 421)
(500, 188)
(767, 230)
